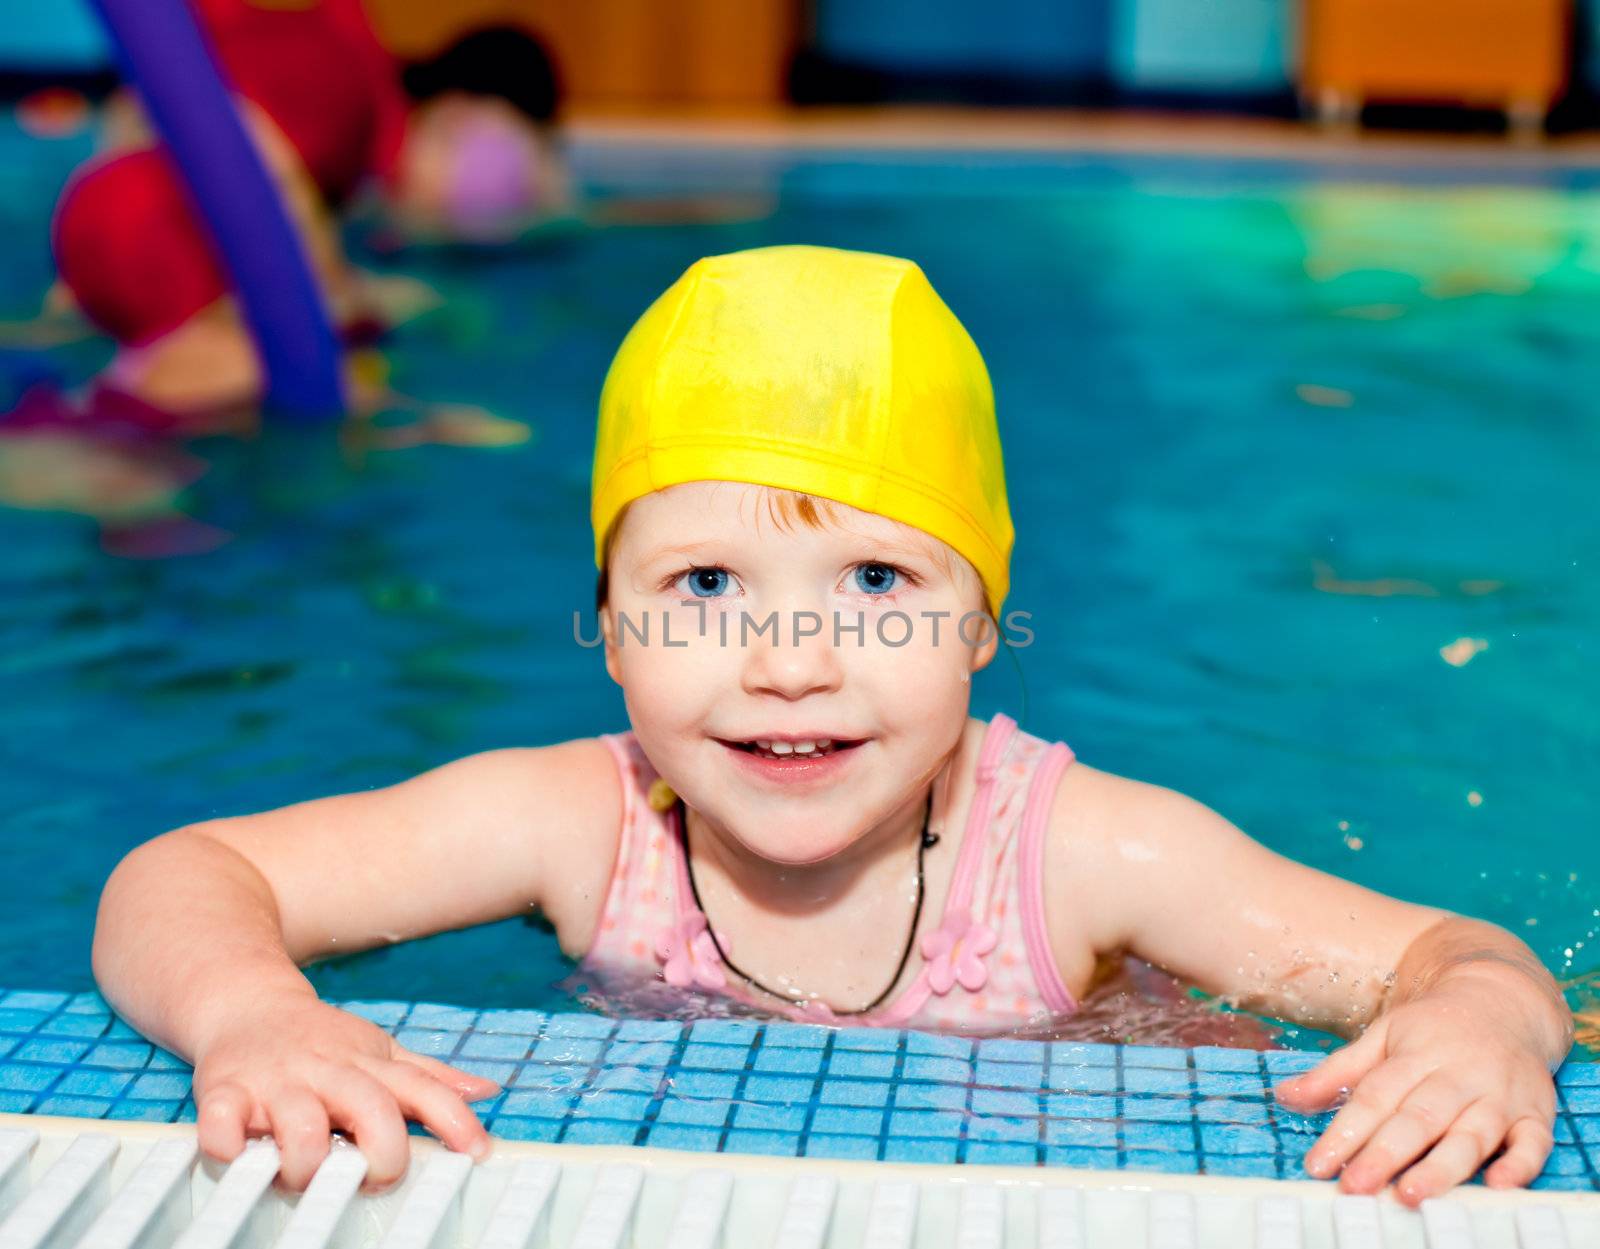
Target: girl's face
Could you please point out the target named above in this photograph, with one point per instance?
(726, 629)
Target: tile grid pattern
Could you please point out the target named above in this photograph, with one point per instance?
(781, 1088)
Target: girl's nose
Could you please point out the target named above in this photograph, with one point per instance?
(793, 660)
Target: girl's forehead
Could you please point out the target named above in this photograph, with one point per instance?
(708, 510)
(725, 520)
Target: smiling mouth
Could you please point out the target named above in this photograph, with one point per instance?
(817, 749)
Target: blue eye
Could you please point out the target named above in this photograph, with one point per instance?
(707, 582)
(876, 578)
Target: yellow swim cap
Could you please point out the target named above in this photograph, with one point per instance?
(835, 373)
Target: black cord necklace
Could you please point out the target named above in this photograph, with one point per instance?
(924, 843)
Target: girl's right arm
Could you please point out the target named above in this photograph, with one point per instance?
(202, 931)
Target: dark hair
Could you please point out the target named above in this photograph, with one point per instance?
(504, 61)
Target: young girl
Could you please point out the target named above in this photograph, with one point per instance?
(801, 523)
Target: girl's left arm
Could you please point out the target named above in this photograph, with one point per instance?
(1458, 1024)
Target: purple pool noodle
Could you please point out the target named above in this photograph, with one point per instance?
(165, 57)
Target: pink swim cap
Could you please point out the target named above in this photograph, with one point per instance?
(492, 180)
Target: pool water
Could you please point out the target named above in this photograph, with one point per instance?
(1301, 461)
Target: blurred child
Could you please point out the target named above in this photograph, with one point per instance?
(481, 160)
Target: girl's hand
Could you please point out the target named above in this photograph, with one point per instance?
(298, 1067)
(1453, 1075)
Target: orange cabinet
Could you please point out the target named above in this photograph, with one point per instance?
(625, 51)
(1509, 54)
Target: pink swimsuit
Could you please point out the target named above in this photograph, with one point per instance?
(986, 967)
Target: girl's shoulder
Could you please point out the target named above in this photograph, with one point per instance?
(575, 805)
(1109, 839)
(1085, 852)
(572, 784)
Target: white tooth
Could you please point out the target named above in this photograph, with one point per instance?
(760, 745)
(781, 748)
(824, 742)
(804, 748)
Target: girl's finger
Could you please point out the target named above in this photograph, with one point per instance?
(1373, 1101)
(1476, 1133)
(1528, 1144)
(1421, 1118)
(473, 1088)
(220, 1121)
(437, 1108)
(1335, 1075)
(300, 1126)
(369, 1112)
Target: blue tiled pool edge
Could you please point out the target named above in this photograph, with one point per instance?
(781, 1089)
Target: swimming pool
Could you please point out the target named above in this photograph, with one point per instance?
(1285, 444)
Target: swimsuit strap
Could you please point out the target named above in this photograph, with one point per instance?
(996, 741)
(1030, 880)
(940, 946)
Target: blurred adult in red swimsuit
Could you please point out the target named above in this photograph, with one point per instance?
(133, 253)
(322, 102)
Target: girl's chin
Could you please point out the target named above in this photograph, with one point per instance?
(801, 850)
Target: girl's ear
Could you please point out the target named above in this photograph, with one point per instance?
(985, 635)
(608, 630)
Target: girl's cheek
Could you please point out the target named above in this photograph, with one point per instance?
(678, 668)
(919, 674)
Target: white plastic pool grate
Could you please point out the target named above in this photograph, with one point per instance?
(81, 1184)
